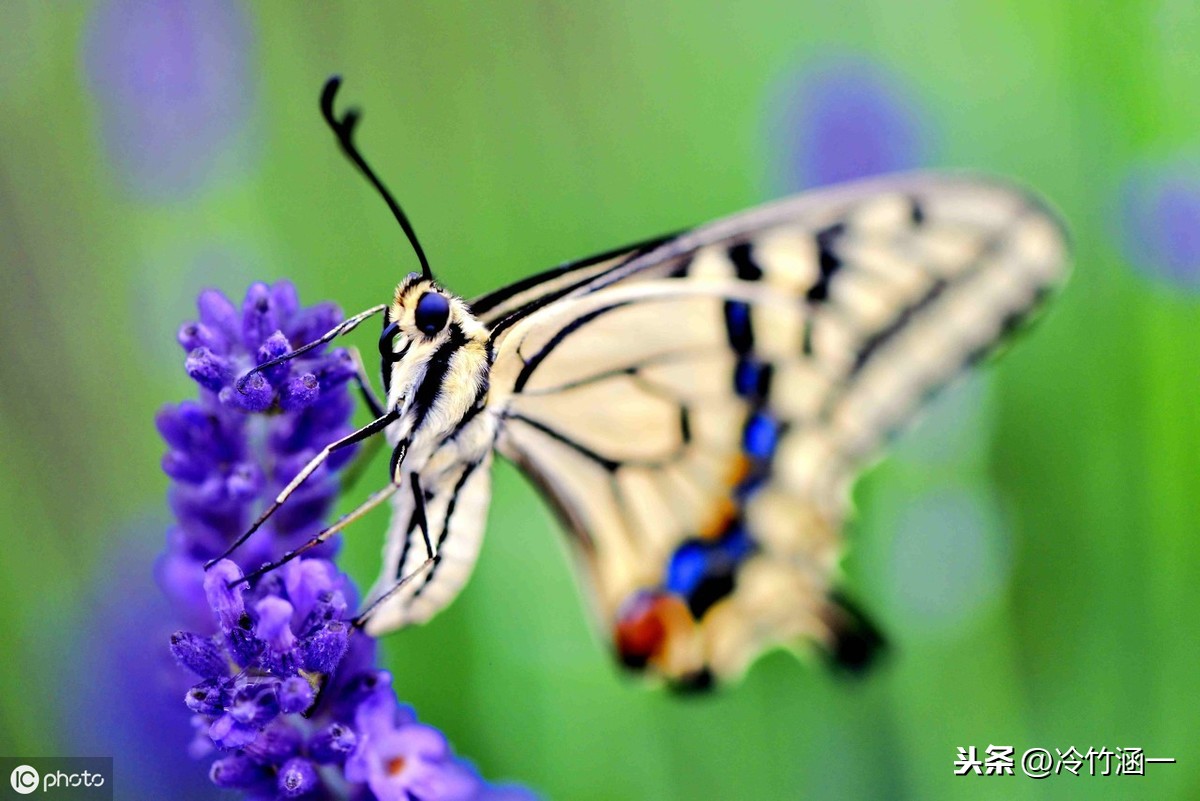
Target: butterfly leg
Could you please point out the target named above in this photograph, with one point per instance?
(366, 506)
(363, 381)
(361, 619)
(358, 466)
(419, 511)
(369, 430)
(344, 327)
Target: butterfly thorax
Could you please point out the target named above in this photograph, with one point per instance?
(436, 363)
(436, 359)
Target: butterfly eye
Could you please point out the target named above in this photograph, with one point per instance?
(433, 309)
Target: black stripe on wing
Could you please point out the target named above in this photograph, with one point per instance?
(449, 517)
(482, 306)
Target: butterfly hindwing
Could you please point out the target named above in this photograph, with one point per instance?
(695, 408)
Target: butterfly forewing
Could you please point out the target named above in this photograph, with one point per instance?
(695, 408)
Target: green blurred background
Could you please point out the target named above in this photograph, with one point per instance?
(1030, 548)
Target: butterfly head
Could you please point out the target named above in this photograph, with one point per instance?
(434, 351)
(420, 311)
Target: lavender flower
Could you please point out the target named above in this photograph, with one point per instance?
(286, 696)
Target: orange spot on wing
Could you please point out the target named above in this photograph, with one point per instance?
(738, 470)
(718, 522)
(645, 624)
(726, 510)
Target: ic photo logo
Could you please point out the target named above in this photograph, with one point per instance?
(24, 779)
(73, 778)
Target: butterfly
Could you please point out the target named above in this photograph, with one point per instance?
(695, 408)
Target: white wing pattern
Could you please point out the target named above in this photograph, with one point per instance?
(696, 408)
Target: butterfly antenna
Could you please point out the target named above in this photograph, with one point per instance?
(343, 129)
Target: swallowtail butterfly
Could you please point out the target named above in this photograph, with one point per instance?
(695, 408)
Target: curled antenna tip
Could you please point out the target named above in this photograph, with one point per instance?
(328, 93)
(343, 129)
(330, 89)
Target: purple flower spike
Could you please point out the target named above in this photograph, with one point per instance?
(333, 743)
(405, 763)
(198, 335)
(218, 313)
(284, 684)
(254, 395)
(277, 742)
(207, 369)
(207, 698)
(225, 601)
(229, 734)
(259, 318)
(237, 772)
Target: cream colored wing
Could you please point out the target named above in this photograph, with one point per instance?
(696, 409)
(456, 496)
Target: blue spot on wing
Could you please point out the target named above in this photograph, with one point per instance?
(689, 565)
(745, 377)
(703, 572)
(760, 436)
(751, 483)
(751, 379)
(738, 327)
(736, 545)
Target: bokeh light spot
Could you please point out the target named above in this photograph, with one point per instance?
(1160, 223)
(846, 119)
(174, 89)
(953, 430)
(950, 558)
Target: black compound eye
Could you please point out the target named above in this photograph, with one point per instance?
(433, 309)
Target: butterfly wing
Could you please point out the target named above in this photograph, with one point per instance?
(696, 408)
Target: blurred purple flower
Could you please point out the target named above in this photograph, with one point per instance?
(286, 692)
(124, 624)
(847, 119)
(1160, 223)
(173, 86)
